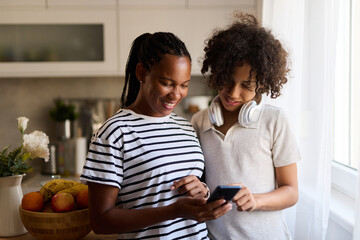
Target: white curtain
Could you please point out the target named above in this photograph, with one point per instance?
(356, 37)
(307, 28)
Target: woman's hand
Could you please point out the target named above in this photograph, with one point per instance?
(244, 199)
(190, 186)
(197, 208)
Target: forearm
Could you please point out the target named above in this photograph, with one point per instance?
(281, 198)
(117, 220)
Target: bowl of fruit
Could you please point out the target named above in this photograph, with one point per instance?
(59, 210)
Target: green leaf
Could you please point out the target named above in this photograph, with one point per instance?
(63, 111)
(26, 156)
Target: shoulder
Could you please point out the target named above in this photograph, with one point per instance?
(273, 114)
(113, 126)
(200, 116)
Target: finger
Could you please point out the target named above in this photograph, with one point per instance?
(244, 191)
(216, 213)
(242, 200)
(183, 181)
(215, 204)
(196, 201)
(222, 210)
(196, 192)
(191, 188)
(248, 206)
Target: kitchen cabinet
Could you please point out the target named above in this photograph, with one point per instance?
(146, 4)
(16, 4)
(193, 26)
(81, 4)
(222, 3)
(122, 21)
(74, 65)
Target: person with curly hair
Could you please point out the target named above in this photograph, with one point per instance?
(245, 141)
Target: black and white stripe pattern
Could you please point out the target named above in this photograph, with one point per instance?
(143, 156)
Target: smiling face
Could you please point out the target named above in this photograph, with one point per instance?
(240, 91)
(164, 86)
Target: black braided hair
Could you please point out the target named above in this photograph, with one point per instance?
(148, 49)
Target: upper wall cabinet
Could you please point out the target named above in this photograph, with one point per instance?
(93, 37)
(193, 25)
(28, 4)
(81, 4)
(58, 43)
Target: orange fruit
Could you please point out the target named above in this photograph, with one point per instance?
(82, 199)
(32, 201)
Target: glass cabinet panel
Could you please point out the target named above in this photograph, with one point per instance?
(51, 42)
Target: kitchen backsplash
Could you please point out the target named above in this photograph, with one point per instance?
(34, 98)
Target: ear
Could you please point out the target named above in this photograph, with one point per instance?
(140, 72)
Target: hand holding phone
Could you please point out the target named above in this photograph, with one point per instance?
(225, 192)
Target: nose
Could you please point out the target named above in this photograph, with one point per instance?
(234, 91)
(176, 93)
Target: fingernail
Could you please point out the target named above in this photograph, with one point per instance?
(172, 188)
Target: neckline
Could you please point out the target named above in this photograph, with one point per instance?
(149, 118)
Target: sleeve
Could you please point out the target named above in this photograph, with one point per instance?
(285, 150)
(104, 162)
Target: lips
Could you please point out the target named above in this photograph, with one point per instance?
(231, 102)
(168, 105)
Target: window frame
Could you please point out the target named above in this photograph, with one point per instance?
(344, 179)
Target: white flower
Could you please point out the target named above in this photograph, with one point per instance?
(22, 123)
(36, 143)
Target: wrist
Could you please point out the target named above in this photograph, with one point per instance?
(172, 210)
(207, 195)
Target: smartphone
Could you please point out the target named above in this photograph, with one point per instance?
(225, 192)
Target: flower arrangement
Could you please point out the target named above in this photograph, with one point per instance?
(17, 161)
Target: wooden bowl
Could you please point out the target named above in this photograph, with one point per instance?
(46, 225)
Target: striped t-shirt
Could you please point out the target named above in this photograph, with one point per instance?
(143, 156)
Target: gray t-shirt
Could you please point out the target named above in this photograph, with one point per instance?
(248, 156)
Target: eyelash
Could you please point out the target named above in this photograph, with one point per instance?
(247, 86)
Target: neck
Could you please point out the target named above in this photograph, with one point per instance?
(134, 108)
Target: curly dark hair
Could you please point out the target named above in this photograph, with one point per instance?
(246, 41)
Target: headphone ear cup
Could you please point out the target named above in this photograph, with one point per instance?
(215, 113)
(249, 114)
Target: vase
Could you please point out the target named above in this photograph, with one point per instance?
(10, 199)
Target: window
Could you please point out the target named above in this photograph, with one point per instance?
(347, 100)
(346, 139)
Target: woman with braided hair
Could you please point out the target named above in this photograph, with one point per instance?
(144, 163)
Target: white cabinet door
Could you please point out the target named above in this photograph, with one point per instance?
(222, 3)
(30, 4)
(193, 26)
(83, 4)
(107, 66)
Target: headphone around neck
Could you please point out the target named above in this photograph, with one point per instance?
(249, 113)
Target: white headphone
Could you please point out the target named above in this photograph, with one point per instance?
(249, 113)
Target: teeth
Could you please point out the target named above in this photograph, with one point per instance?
(169, 104)
(231, 100)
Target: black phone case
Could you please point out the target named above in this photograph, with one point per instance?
(225, 192)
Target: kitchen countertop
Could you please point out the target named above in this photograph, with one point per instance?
(31, 183)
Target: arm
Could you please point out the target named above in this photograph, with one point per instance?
(286, 195)
(105, 218)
